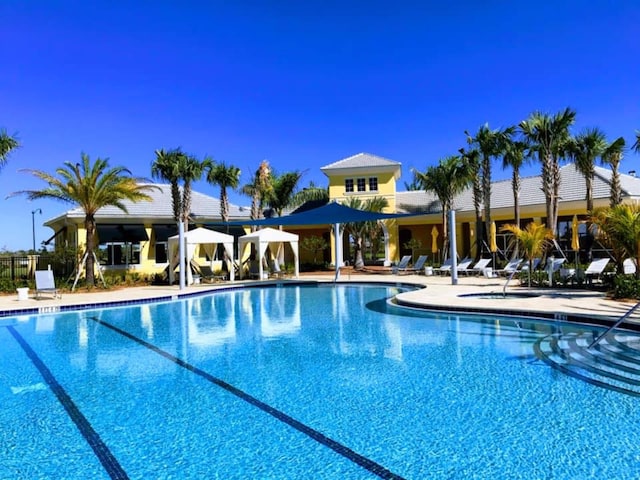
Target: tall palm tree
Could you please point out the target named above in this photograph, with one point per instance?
(166, 167)
(7, 144)
(490, 144)
(472, 158)
(258, 189)
(361, 230)
(91, 187)
(532, 240)
(312, 193)
(191, 170)
(584, 149)
(283, 188)
(548, 136)
(612, 156)
(516, 155)
(225, 176)
(636, 145)
(447, 179)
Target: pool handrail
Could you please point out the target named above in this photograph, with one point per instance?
(615, 325)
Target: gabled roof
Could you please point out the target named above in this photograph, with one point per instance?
(362, 162)
(572, 188)
(160, 209)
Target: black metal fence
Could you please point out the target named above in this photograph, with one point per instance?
(22, 267)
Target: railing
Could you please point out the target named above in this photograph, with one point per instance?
(22, 267)
(615, 325)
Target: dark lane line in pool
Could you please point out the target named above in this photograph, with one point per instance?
(337, 447)
(108, 461)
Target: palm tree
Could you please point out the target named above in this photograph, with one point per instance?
(166, 167)
(548, 136)
(447, 179)
(612, 156)
(226, 177)
(472, 159)
(312, 193)
(490, 144)
(584, 149)
(259, 189)
(636, 145)
(91, 187)
(619, 228)
(361, 230)
(191, 170)
(533, 240)
(282, 191)
(516, 154)
(7, 144)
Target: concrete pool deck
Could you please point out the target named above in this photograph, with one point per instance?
(559, 303)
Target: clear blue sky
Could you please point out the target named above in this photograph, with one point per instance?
(299, 83)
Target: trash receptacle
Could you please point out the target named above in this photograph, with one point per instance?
(23, 293)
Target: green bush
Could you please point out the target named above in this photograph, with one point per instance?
(626, 286)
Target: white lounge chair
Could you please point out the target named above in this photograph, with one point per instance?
(463, 266)
(535, 264)
(45, 283)
(445, 268)
(402, 266)
(629, 266)
(479, 267)
(510, 267)
(595, 269)
(277, 271)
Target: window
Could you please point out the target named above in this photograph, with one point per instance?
(373, 184)
(122, 253)
(348, 185)
(362, 185)
(161, 252)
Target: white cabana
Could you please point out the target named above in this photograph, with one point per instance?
(272, 238)
(209, 241)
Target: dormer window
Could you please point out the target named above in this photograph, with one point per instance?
(348, 185)
(362, 185)
(373, 184)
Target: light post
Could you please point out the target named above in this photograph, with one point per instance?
(33, 226)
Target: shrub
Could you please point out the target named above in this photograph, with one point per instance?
(625, 286)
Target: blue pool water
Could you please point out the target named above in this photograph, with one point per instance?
(299, 382)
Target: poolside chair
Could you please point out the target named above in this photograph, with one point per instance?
(276, 271)
(535, 264)
(629, 266)
(45, 283)
(206, 273)
(445, 268)
(402, 266)
(418, 267)
(595, 269)
(479, 267)
(510, 267)
(463, 266)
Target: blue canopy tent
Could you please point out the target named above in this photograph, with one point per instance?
(330, 214)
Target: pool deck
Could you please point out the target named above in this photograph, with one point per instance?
(562, 303)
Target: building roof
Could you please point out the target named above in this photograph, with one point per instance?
(160, 209)
(572, 188)
(362, 162)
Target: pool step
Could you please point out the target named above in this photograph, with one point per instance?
(614, 363)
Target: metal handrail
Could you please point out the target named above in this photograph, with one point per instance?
(504, 289)
(615, 325)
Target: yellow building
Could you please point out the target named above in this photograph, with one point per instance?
(137, 240)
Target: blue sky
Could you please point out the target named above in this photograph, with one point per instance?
(301, 84)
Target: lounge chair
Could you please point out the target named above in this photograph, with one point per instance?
(418, 267)
(463, 266)
(535, 264)
(595, 269)
(276, 271)
(445, 268)
(629, 266)
(510, 267)
(206, 273)
(402, 266)
(479, 267)
(45, 283)
(554, 264)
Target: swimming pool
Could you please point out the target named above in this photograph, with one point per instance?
(299, 382)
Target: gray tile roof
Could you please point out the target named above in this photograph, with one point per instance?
(159, 208)
(362, 160)
(572, 188)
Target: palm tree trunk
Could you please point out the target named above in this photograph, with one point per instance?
(224, 204)
(515, 185)
(90, 228)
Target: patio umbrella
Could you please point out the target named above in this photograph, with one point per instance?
(434, 239)
(575, 241)
(493, 245)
